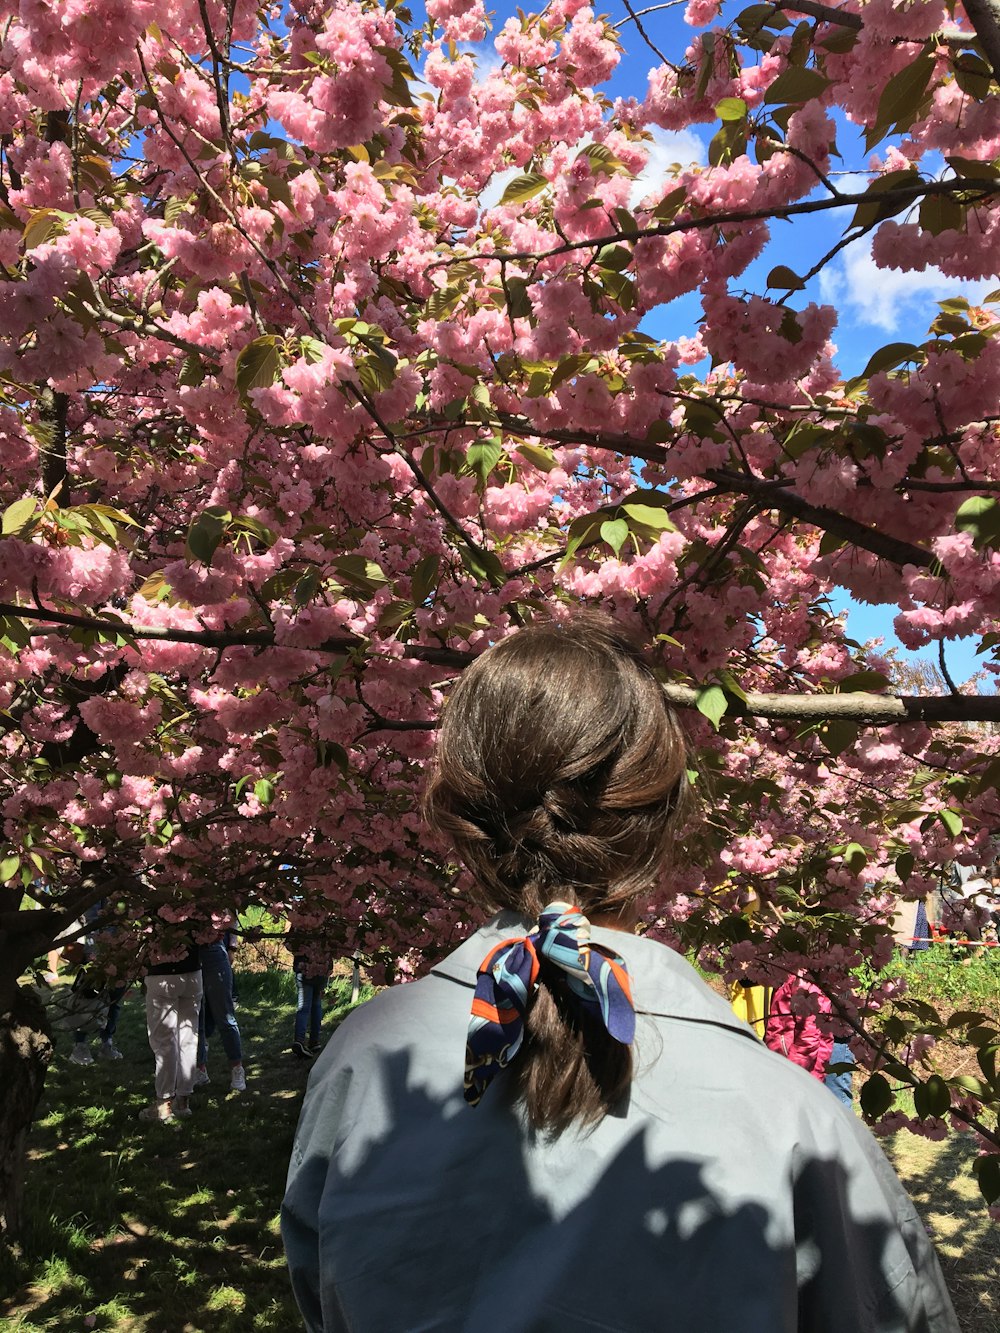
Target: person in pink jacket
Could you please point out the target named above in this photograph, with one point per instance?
(792, 1030)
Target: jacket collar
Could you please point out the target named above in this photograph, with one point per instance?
(663, 983)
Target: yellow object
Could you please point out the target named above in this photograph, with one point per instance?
(752, 1004)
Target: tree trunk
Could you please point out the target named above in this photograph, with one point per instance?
(25, 1052)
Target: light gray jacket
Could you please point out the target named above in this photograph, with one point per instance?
(734, 1194)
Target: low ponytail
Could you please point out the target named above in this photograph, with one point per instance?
(571, 1070)
(560, 774)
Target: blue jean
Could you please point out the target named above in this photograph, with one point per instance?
(840, 1084)
(217, 1009)
(115, 995)
(309, 1010)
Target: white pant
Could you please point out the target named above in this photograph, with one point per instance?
(172, 1003)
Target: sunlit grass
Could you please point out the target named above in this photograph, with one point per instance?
(135, 1228)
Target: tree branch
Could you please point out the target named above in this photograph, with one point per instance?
(901, 194)
(878, 710)
(984, 15)
(52, 409)
(775, 495)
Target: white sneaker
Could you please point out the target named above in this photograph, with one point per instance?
(200, 1077)
(80, 1054)
(109, 1051)
(238, 1082)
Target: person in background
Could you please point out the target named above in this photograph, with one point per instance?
(561, 1126)
(81, 1053)
(312, 966)
(792, 1030)
(173, 1000)
(218, 1012)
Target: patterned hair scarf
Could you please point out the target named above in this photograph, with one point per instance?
(508, 975)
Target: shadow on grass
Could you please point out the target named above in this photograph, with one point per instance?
(939, 1179)
(170, 1228)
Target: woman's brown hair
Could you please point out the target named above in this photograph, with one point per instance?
(560, 773)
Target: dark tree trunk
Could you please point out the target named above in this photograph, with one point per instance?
(25, 1052)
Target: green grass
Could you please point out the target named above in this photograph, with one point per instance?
(959, 980)
(167, 1228)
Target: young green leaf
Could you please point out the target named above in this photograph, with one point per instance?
(712, 702)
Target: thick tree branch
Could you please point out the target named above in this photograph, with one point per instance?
(842, 18)
(984, 15)
(775, 495)
(866, 709)
(52, 410)
(872, 710)
(211, 638)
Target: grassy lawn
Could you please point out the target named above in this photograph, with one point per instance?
(173, 1228)
(166, 1228)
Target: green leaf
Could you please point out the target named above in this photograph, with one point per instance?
(601, 159)
(423, 581)
(731, 108)
(17, 515)
(43, 224)
(941, 212)
(952, 821)
(481, 458)
(987, 1171)
(797, 84)
(206, 532)
(890, 356)
(729, 683)
(586, 528)
(874, 207)
(876, 1097)
(258, 365)
(360, 574)
(904, 865)
(538, 456)
(614, 257)
(974, 1086)
(855, 857)
(785, 279)
(525, 187)
(263, 789)
(937, 1095)
(666, 210)
(615, 533)
(312, 349)
(838, 735)
(980, 515)
(569, 366)
(902, 97)
(307, 587)
(712, 703)
(192, 371)
(965, 1017)
(862, 681)
(518, 301)
(9, 867)
(484, 565)
(652, 516)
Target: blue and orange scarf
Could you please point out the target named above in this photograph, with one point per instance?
(597, 979)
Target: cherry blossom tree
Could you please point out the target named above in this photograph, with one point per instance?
(327, 361)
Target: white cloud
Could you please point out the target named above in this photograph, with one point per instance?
(495, 186)
(668, 147)
(885, 298)
(666, 150)
(851, 182)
